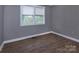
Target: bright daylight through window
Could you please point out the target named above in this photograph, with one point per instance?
(32, 15)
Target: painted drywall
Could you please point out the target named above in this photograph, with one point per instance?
(12, 28)
(66, 20)
(1, 24)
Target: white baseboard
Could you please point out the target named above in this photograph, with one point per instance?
(1, 46)
(22, 38)
(68, 37)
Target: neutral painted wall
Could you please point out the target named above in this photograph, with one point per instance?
(12, 28)
(1, 24)
(61, 19)
(66, 20)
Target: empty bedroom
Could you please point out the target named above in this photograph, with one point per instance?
(39, 28)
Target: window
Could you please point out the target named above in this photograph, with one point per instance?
(32, 15)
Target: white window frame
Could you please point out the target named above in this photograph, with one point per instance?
(33, 15)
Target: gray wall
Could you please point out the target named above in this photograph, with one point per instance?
(66, 20)
(61, 19)
(12, 28)
(1, 24)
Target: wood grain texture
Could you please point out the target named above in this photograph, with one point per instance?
(49, 43)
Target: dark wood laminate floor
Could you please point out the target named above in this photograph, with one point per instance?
(49, 43)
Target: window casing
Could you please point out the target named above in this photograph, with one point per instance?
(32, 15)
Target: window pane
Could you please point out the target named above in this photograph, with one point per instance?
(27, 20)
(39, 20)
(27, 10)
(39, 11)
(32, 15)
